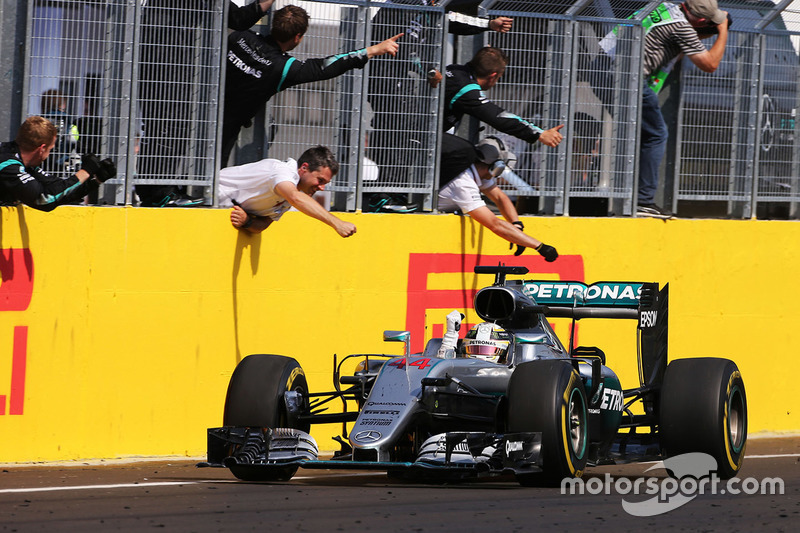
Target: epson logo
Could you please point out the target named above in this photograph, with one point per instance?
(648, 319)
(513, 446)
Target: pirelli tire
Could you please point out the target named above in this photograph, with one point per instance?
(256, 398)
(256, 392)
(703, 408)
(548, 397)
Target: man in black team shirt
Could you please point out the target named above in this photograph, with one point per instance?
(397, 91)
(465, 88)
(167, 66)
(260, 67)
(22, 179)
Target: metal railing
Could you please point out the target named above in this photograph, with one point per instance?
(141, 81)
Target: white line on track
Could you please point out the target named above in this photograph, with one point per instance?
(114, 486)
(173, 483)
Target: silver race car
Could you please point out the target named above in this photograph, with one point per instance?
(508, 398)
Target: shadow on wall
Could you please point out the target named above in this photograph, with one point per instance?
(243, 240)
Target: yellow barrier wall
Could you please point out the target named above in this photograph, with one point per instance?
(120, 327)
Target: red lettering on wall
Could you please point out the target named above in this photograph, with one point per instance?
(420, 298)
(16, 291)
(16, 279)
(17, 398)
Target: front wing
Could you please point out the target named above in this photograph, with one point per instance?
(266, 454)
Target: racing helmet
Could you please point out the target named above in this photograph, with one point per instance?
(487, 341)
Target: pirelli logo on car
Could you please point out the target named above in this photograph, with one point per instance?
(577, 293)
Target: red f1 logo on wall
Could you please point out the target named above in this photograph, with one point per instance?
(424, 294)
(16, 289)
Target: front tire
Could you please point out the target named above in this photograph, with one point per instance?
(256, 390)
(548, 397)
(703, 408)
(256, 399)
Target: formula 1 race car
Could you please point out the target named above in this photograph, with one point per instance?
(518, 402)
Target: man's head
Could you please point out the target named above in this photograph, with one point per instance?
(35, 138)
(289, 24)
(705, 11)
(488, 65)
(53, 101)
(493, 157)
(316, 168)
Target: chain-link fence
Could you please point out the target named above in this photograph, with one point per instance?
(737, 126)
(136, 81)
(141, 81)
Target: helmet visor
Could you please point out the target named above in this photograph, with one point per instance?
(484, 350)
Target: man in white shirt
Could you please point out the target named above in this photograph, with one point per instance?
(261, 192)
(467, 172)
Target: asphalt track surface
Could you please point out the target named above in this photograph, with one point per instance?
(178, 496)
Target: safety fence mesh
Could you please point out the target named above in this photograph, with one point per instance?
(141, 81)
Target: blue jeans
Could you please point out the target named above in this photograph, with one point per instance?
(652, 146)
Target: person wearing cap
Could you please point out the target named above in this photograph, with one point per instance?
(469, 171)
(671, 30)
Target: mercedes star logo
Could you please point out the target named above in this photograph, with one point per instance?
(367, 436)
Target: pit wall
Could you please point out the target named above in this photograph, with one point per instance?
(120, 327)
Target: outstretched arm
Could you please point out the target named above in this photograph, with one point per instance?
(501, 24)
(503, 203)
(389, 46)
(318, 69)
(474, 103)
(484, 216)
(244, 17)
(308, 206)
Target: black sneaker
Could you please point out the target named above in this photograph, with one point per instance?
(653, 210)
(183, 200)
(174, 199)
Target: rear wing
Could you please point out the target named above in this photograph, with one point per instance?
(633, 300)
(515, 301)
(574, 299)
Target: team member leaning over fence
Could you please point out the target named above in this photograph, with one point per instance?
(23, 180)
(468, 171)
(465, 93)
(261, 192)
(260, 67)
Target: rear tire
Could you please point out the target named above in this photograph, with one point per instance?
(703, 408)
(548, 397)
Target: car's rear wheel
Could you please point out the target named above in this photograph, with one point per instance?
(256, 398)
(548, 397)
(703, 408)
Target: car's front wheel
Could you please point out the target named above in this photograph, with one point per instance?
(257, 398)
(548, 397)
